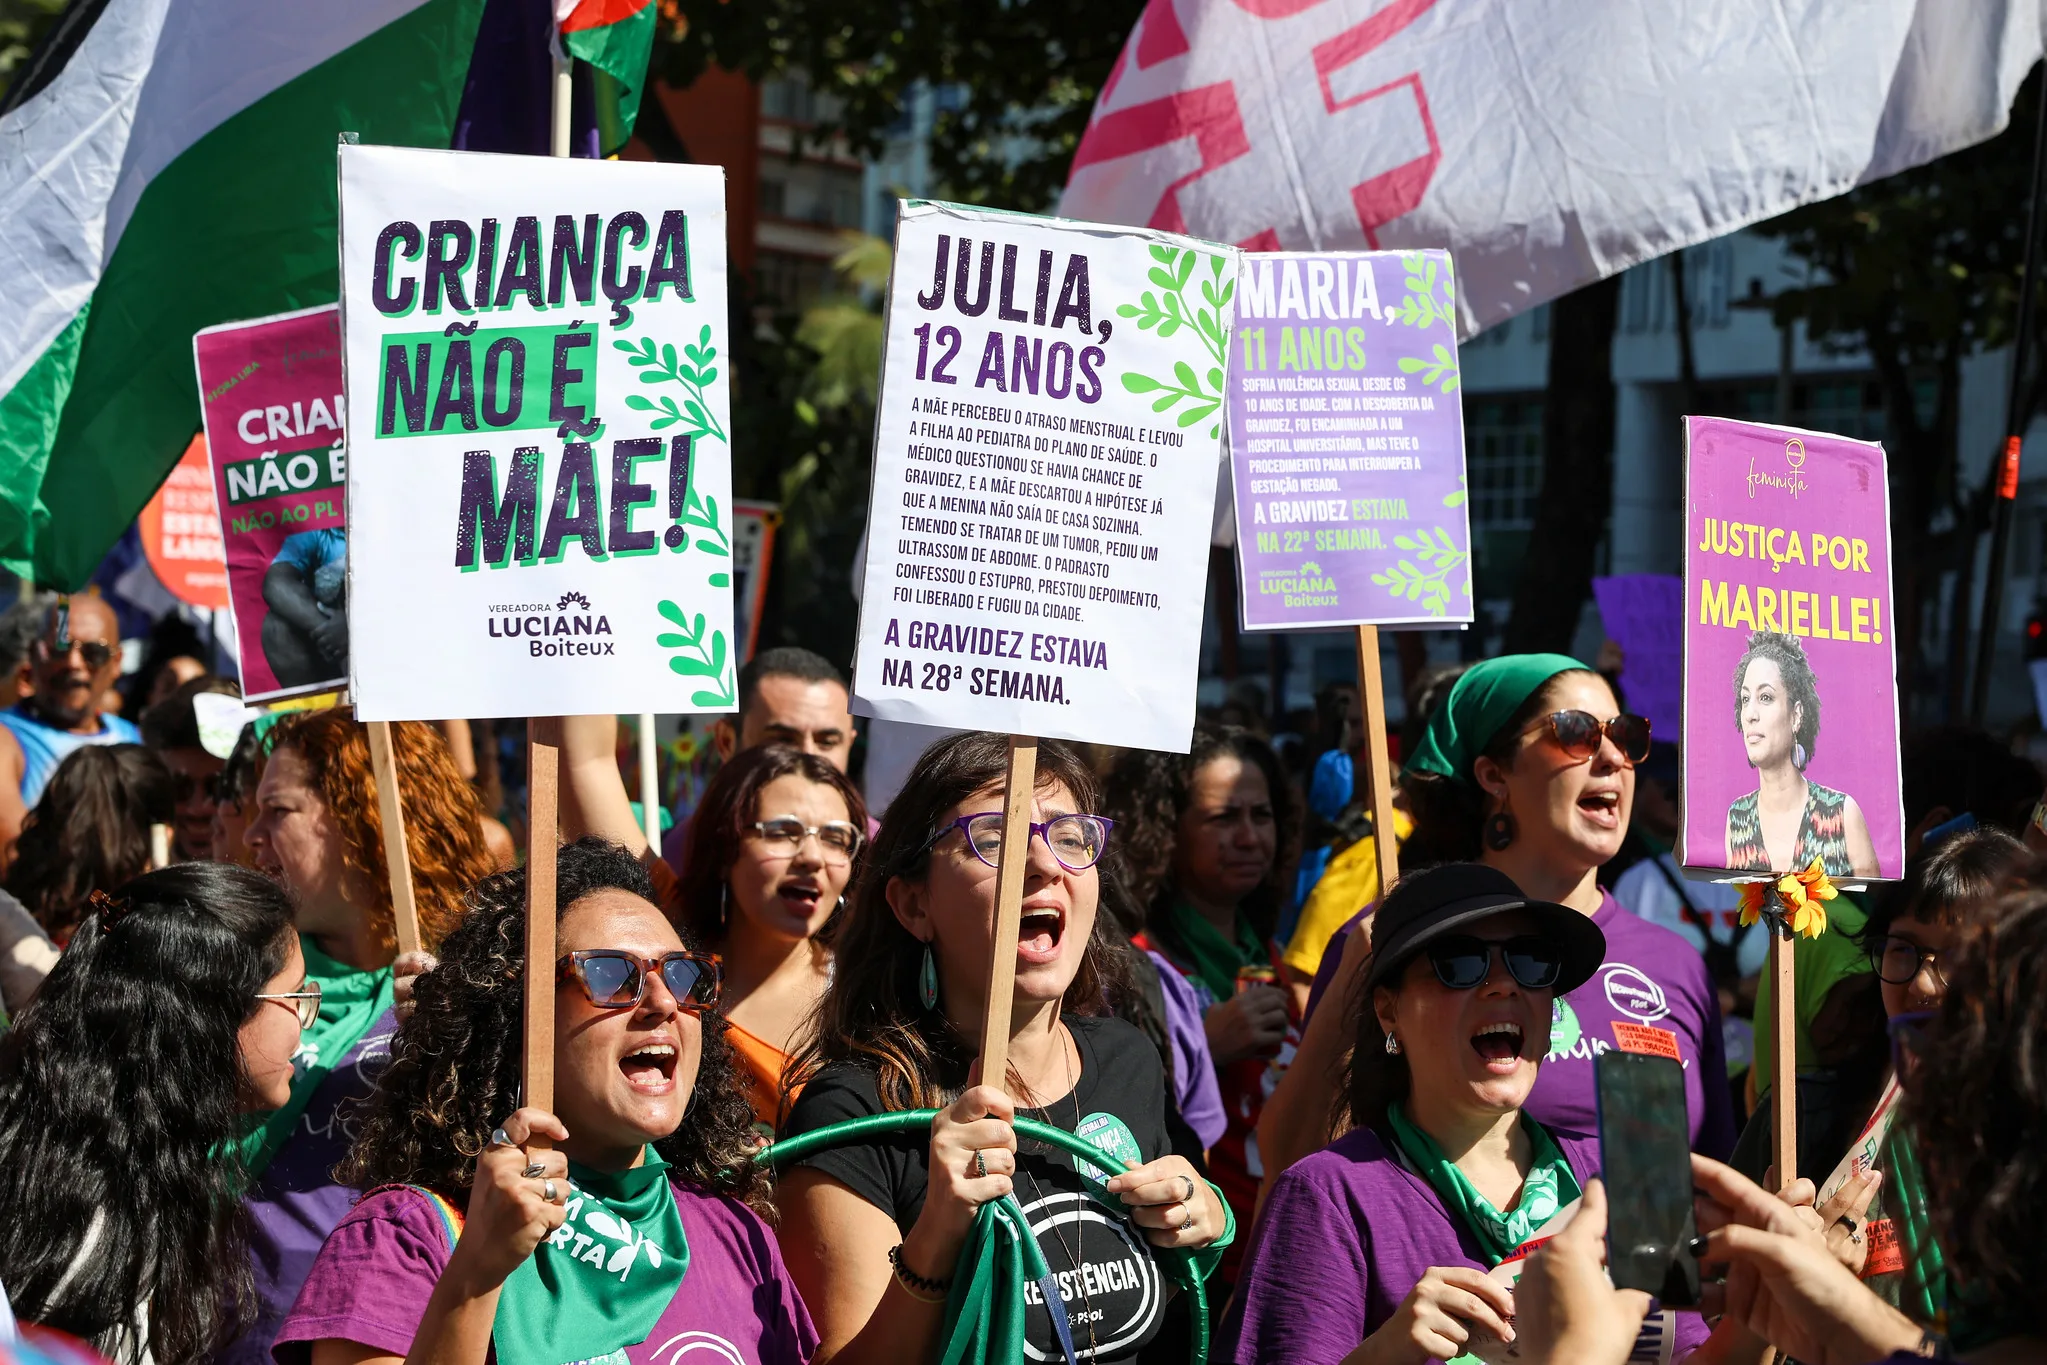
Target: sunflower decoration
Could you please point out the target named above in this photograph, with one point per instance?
(1800, 900)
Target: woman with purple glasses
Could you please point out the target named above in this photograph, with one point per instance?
(872, 1232)
(608, 1229)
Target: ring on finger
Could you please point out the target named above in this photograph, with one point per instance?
(1186, 1222)
(534, 1170)
(498, 1138)
(548, 1191)
(1188, 1197)
(980, 1164)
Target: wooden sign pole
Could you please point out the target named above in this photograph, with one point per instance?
(1018, 789)
(543, 771)
(650, 782)
(391, 814)
(1374, 769)
(1784, 1037)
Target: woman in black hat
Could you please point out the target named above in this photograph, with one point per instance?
(1385, 1237)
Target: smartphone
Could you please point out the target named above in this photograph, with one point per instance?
(1645, 1150)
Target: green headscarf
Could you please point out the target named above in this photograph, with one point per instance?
(1480, 702)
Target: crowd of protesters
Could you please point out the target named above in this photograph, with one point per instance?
(236, 1125)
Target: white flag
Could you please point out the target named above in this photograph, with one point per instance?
(1548, 143)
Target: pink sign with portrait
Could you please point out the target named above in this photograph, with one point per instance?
(1790, 743)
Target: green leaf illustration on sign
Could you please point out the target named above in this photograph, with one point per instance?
(1170, 309)
(697, 657)
(1431, 298)
(694, 368)
(1426, 582)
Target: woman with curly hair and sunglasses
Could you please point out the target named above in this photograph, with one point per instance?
(625, 1224)
(317, 830)
(873, 1231)
(1528, 766)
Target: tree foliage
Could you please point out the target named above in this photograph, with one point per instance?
(1027, 73)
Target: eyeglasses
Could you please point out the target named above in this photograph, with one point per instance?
(95, 654)
(1578, 733)
(1077, 841)
(304, 1002)
(1463, 963)
(614, 979)
(785, 834)
(1898, 960)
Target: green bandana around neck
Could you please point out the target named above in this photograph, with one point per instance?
(351, 1001)
(1482, 700)
(1216, 959)
(602, 1281)
(1550, 1185)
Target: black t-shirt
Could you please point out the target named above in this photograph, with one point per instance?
(1110, 1282)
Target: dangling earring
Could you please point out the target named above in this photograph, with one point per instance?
(724, 906)
(1499, 830)
(1392, 1044)
(1798, 757)
(927, 981)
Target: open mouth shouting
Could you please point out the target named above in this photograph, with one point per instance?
(1499, 1045)
(802, 895)
(1601, 806)
(1039, 934)
(650, 1067)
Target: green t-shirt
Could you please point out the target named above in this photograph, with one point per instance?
(1818, 964)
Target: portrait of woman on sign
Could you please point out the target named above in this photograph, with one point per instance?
(1789, 819)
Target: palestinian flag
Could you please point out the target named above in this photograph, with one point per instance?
(166, 165)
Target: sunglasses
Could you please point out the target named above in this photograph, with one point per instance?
(1077, 841)
(1578, 734)
(304, 1002)
(1463, 963)
(95, 654)
(614, 979)
(1898, 960)
(785, 834)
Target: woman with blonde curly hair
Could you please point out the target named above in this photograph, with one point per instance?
(317, 830)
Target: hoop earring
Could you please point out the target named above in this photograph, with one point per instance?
(1499, 831)
(1392, 1044)
(927, 982)
(1799, 758)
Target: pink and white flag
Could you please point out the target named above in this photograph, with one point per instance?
(1547, 143)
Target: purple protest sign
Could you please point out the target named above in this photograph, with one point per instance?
(1347, 441)
(1644, 614)
(1790, 693)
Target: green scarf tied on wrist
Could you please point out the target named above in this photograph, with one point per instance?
(602, 1281)
(1215, 958)
(351, 1001)
(1549, 1186)
(1482, 700)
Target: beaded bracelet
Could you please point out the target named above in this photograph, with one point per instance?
(917, 1286)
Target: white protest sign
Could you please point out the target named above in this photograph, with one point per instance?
(1044, 477)
(539, 473)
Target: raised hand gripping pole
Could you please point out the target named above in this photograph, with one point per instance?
(1374, 769)
(1017, 791)
(391, 814)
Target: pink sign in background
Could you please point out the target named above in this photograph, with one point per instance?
(270, 393)
(1762, 503)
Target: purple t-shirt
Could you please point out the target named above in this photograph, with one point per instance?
(296, 1202)
(1652, 992)
(1194, 1085)
(374, 1276)
(1343, 1238)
